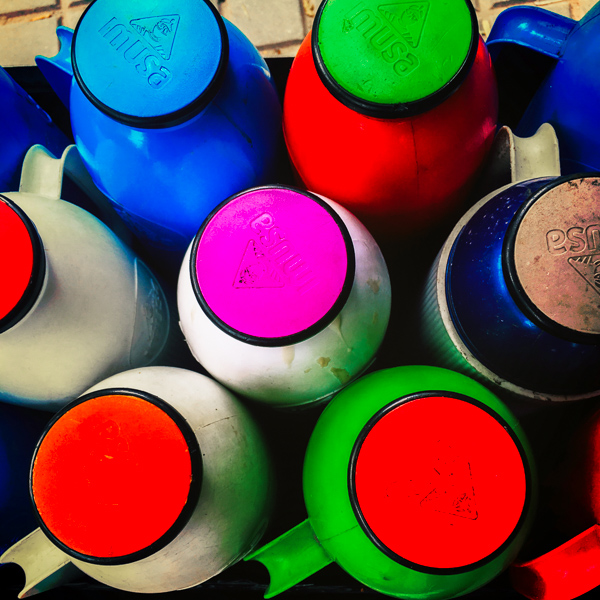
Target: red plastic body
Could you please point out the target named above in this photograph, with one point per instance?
(396, 175)
(573, 568)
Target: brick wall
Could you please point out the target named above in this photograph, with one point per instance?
(276, 27)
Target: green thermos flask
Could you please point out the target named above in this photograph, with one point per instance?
(417, 481)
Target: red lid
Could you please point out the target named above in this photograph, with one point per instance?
(273, 265)
(21, 263)
(439, 483)
(112, 476)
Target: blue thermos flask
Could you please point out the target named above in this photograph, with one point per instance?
(568, 96)
(172, 109)
(22, 124)
(513, 298)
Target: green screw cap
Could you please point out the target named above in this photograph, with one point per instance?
(394, 59)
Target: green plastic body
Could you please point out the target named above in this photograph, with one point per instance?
(332, 532)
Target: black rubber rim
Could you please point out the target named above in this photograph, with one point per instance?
(301, 335)
(365, 526)
(531, 311)
(38, 272)
(173, 118)
(193, 495)
(401, 109)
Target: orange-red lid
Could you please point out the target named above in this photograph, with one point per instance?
(438, 482)
(115, 476)
(21, 263)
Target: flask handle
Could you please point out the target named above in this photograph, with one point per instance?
(42, 174)
(45, 565)
(291, 558)
(564, 573)
(530, 27)
(58, 69)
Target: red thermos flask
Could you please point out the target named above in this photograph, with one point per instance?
(404, 106)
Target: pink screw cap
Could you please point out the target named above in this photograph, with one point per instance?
(272, 266)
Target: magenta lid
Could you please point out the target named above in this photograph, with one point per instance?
(272, 266)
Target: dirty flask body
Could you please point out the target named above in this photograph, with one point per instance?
(77, 303)
(283, 296)
(154, 480)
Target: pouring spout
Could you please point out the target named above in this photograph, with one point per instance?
(58, 69)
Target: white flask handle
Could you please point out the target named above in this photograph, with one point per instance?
(42, 174)
(45, 565)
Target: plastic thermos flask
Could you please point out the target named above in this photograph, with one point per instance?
(571, 569)
(76, 305)
(389, 106)
(417, 481)
(513, 298)
(153, 481)
(283, 296)
(22, 123)
(172, 109)
(568, 95)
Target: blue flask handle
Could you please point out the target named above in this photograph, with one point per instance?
(530, 27)
(58, 70)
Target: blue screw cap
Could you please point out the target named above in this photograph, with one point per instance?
(150, 64)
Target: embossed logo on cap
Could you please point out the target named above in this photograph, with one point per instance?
(589, 268)
(155, 35)
(557, 254)
(272, 261)
(256, 270)
(159, 32)
(397, 26)
(407, 18)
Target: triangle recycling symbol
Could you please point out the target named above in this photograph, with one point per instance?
(256, 270)
(453, 492)
(407, 18)
(159, 32)
(589, 268)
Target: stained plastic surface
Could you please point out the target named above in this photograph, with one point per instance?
(283, 296)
